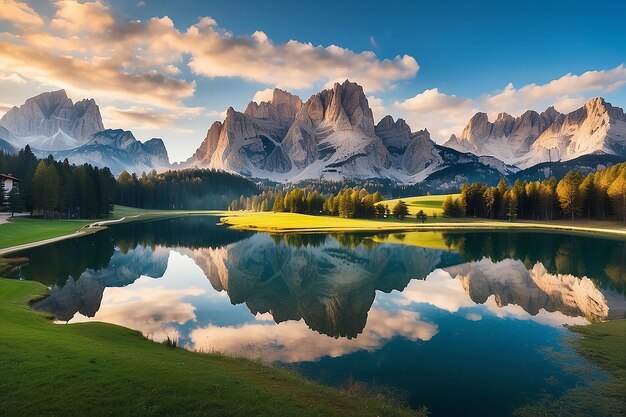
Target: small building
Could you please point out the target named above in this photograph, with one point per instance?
(9, 182)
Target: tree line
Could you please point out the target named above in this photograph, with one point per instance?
(187, 189)
(597, 195)
(347, 203)
(58, 189)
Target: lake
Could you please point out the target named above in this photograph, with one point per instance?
(464, 323)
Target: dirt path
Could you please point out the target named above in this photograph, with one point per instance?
(90, 228)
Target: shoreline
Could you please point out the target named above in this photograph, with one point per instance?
(80, 359)
(100, 225)
(236, 220)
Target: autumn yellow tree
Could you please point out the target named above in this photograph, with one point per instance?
(617, 194)
(568, 193)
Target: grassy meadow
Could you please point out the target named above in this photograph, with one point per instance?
(101, 369)
(431, 204)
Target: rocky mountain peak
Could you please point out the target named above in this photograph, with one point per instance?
(345, 106)
(550, 114)
(49, 113)
(478, 128)
(282, 108)
(395, 135)
(504, 117)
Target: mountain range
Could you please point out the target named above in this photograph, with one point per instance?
(332, 135)
(51, 124)
(534, 138)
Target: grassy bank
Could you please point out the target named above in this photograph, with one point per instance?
(21, 230)
(605, 344)
(26, 230)
(292, 222)
(102, 369)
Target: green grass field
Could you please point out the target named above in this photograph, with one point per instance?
(100, 369)
(429, 203)
(21, 230)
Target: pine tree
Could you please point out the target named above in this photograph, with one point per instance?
(568, 194)
(617, 194)
(278, 203)
(14, 201)
(400, 210)
(421, 215)
(3, 194)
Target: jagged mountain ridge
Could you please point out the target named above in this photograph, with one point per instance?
(119, 150)
(51, 124)
(534, 138)
(332, 135)
(51, 121)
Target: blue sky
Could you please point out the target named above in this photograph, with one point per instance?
(454, 57)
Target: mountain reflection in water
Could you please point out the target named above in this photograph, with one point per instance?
(324, 283)
(429, 314)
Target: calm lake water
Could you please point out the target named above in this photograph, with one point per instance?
(464, 323)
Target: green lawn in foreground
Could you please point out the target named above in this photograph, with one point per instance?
(94, 369)
(22, 230)
(429, 203)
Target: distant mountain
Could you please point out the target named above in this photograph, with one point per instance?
(332, 136)
(119, 150)
(534, 138)
(52, 122)
(585, 164)
(53, 125)
(5, 145)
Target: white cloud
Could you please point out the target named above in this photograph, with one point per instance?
(144, 71)
(215, 114)
(74, 17)
(293, 341)
(445, 114)
(263, 95)
(12, 78)
(137, 117)
(215, 53)
(442, 114)
(378, 108)
(19, 13)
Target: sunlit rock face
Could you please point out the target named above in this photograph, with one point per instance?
(534, 290)
(51, 124)
(330, 135)
(533, 138)
(53, 121)
(330, 286)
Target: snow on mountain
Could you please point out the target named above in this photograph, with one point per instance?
(507, 139)
(597, 127)
(332, 136)
(119, 150)
(53, 125)
(533, 138)
(51, 118)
